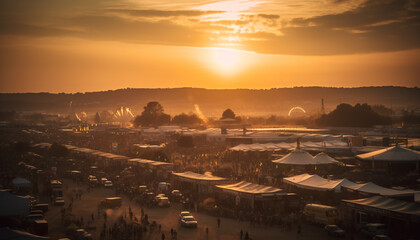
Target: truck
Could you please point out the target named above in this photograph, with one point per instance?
(321, 214)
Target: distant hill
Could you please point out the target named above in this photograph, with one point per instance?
(212, 102)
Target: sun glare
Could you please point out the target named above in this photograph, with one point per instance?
(231, 10)
(228, 62)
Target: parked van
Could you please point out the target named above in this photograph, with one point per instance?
(164, 187)
(322, 214)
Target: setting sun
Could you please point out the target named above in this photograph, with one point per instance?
(228, 62)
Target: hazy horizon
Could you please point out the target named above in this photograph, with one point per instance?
(84, 46)
(204, 88)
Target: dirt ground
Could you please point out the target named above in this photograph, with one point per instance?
(167, 217)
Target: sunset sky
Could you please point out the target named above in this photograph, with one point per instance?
(93, 45)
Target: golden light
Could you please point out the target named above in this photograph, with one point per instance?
(228, 62)
(231, 9)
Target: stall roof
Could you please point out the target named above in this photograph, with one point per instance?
(251, 188)
(323, 158)
(315, 145)
(158, 163)
(392, 154)
(372, 188)
(389, 204)
(315, 182)
(197, 176)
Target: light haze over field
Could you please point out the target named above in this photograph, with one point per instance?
(79, 45)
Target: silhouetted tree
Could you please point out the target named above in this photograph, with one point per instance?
(152, 115)
(106, 116)
(228, 113)
(382, 110)
(345, 115)
(97, 118)
(185, 119)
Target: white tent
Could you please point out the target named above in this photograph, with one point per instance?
(300, 157)
(394, 154)
(315, 182)
(296, 157)
(323, 158)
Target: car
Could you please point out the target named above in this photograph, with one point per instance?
(189, 221)
(381, 237)
(82, 234)
(163, 202)
(334, 230)
(108, 184)
(160, 195)
(36, 212)
(183, 214)
(103, 180)
(176, 194)
(59, 201)
(373, 229)
(92, 180)
(142, 189)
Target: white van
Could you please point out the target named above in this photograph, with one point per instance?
(163, 186)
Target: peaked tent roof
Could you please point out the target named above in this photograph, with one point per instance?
(301, 157)
(395, 153)
(315, 182)
(323, 158)
(251, 188)
(296, 157)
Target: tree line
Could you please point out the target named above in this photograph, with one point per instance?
(345, 115)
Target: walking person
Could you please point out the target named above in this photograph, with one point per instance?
(241, 233)
(218, 222)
